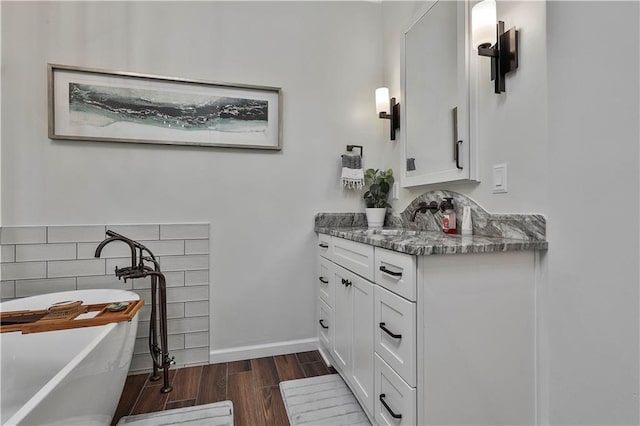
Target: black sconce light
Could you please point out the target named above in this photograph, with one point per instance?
(504, 53)
(389, 109)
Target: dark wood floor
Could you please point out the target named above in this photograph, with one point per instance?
(252, 385)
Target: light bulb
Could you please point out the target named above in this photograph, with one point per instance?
(483, 23)
(382, 100)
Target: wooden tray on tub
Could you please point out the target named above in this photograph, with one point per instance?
(63, 316)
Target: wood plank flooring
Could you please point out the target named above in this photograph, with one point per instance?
(252, 385)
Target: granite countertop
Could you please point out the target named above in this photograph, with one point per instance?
(420, 234)
(432, 242)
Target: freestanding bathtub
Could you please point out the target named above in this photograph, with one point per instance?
(70, 377)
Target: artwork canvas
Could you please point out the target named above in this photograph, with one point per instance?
(100, 105)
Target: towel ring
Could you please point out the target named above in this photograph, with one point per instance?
(350, 149)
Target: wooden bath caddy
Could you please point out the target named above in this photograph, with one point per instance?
(63, 317)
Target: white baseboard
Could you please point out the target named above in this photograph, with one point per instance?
(258, 351)
(325, 357)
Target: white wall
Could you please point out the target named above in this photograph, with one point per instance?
(0, 127)
(326, 58)
(396, 18)
(568, 128)
(593, 212)
(512, 126)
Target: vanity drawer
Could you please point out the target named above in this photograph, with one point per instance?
(396, 272)
(395, 333)
(356, 257)
(325, 281)
(325, 325)
(400, 398)
(324, 245)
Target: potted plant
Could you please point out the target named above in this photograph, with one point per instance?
(380, 183)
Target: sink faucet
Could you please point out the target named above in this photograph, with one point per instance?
(423, 207)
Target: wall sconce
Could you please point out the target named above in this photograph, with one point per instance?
(388, 108)
(504, 53)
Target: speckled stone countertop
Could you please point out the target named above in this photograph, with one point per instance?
(432, 242)
(421, 234)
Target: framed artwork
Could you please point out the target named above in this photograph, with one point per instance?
(88, 104)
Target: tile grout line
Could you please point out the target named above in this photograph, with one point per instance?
(255, 391)
(138, 396)
(226, 380)
(277, 369)
(200, 383)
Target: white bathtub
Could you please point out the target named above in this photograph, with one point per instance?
(70, 377)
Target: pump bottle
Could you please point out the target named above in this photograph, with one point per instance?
(449, 217)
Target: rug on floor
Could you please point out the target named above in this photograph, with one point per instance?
(322, 400)
(217, 414)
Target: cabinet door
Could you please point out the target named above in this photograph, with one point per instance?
(324, 245)
(325, 281)
(395, 401)
(354, 256)
(325, 325)
(396, 272)
(435, 114)
(395, 333)
(343, 318)
(362, 346)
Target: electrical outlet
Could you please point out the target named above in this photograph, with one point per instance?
(395, 191)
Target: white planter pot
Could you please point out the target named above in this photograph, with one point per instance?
(375, 217)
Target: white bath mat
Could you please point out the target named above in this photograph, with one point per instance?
(217, 414)
(322, 400)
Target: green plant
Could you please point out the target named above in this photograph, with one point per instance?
(380, 184)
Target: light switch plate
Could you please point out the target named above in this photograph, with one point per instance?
(500, 178)
(395, 191)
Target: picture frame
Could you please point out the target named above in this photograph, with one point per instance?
(89, 104)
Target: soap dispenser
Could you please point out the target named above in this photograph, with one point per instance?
(449, 217)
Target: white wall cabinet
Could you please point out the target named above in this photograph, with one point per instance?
(433, 340)
(435, 117)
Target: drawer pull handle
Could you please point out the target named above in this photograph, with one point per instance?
(346, 283)
(322, 280)
(394, 415)
(386, 330)
(323, 245)
(322, 324)
(386, 271)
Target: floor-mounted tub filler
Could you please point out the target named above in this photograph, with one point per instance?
(65, 377)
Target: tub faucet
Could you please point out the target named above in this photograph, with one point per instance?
(423, 207)
(158, 350)
(117, 237)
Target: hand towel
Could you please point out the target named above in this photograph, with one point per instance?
(352, 173)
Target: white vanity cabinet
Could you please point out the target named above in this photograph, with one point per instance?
(476, 338)
(350, 345)
(360, 308)
(431, 340)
